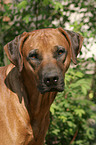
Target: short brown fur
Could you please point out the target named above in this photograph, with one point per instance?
(24, 110)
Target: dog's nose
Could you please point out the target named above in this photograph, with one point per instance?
(51, 80)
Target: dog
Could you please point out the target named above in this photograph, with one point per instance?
(29, 84)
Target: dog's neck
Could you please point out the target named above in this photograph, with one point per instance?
(38, 104)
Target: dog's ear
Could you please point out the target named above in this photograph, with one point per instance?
(13, 50)
(75, 40)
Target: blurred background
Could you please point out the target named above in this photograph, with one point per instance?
(73, 113)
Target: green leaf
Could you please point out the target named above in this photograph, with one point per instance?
(52, 110)
(63, 118)
(79, 112)
(79, 74)
(70, 123)
(90, 133)
(22, 4)
(55, 131)
(26, 19)
(58, 5)
(84, 90)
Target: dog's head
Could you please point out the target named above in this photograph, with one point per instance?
(45, 54)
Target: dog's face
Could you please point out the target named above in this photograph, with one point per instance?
(46, 54)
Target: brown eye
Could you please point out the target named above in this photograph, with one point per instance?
(33, 56)
(60, 52)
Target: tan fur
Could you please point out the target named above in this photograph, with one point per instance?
(24, 111)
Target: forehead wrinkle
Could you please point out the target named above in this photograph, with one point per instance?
(42, 40)
(44, 37)
(45, 40)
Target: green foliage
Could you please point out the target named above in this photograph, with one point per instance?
(22, 5)
(74, 107)
(27, 15)
(71, 110)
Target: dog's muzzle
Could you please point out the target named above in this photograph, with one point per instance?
(51, 81)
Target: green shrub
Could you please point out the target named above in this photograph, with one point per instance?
(71, 111)
(72, 108)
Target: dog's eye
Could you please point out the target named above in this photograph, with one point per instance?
(60, 52)
(33, 56)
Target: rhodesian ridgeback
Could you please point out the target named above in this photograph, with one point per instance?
(29, 84)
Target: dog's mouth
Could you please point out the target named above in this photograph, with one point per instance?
(50, 80)
(50, 90)
(43, 89)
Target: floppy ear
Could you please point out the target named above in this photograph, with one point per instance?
(13, 50)
(75, 40)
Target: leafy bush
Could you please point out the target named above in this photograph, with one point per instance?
(74, 107)
(71, 111)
